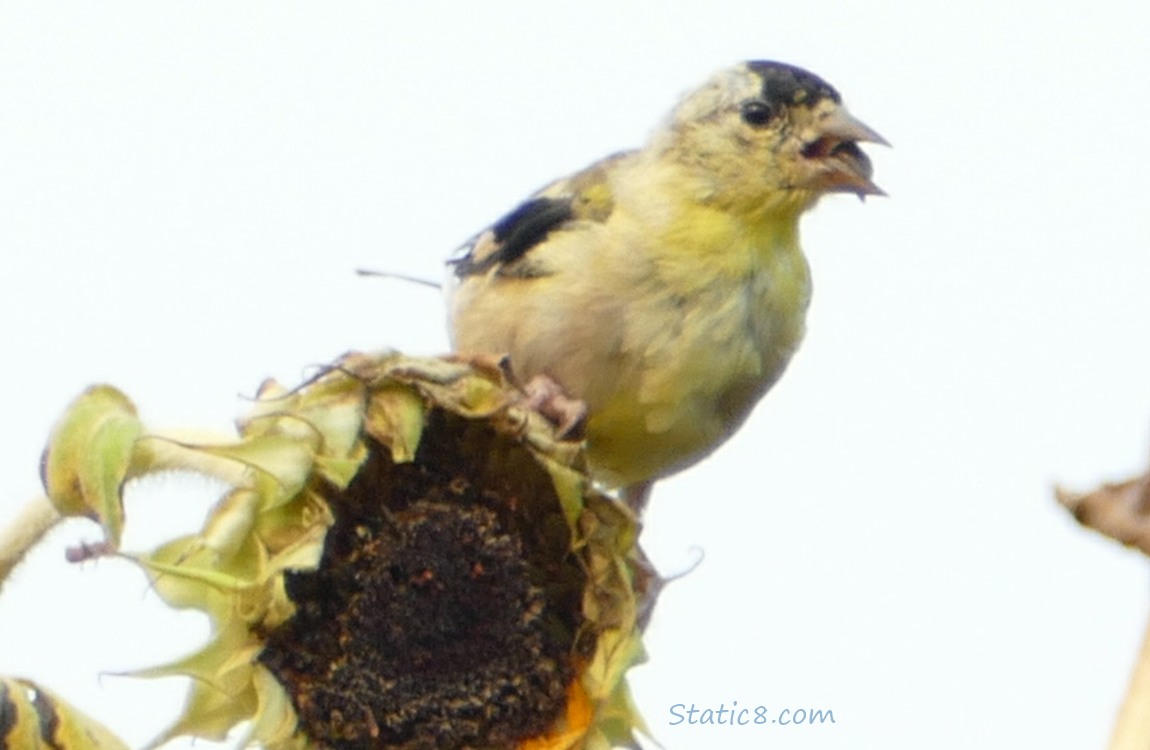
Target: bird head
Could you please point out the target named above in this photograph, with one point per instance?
(769, 137)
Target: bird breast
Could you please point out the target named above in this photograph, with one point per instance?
(693, 363)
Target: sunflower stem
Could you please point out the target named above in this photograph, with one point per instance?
(34, 521)
(1132, 728)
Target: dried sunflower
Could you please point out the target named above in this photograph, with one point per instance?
(406, 558)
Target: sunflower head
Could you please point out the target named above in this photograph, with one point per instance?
(405, 559)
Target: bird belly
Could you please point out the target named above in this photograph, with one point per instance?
(689, 385)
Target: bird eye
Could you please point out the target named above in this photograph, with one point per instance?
(757, 112)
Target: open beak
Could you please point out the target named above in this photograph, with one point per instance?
(837, 164)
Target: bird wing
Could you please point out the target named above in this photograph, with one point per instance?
(506, 244)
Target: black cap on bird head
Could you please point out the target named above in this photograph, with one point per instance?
(784, 85)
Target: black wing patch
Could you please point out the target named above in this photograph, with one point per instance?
(528, 225)
(512, 236)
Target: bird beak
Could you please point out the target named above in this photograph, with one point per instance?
(837, 164)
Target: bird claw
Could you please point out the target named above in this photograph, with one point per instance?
(569, 415)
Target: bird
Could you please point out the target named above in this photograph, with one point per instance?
(663, 290)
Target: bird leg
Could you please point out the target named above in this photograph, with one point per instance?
(637, 495)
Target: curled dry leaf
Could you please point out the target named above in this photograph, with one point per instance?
(1119, 510)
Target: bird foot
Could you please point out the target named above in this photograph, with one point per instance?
(569, 415)
(540, 394)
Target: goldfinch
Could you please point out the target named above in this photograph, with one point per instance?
(665, 287)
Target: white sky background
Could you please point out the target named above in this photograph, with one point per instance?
(186, 190)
